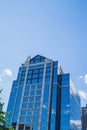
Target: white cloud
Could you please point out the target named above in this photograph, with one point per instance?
(0, 78)
(82, 94)
(85, 78)
(81, 77)
(7, 72)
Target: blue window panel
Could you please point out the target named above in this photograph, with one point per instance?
(31, 62)
(23, 73)
(34, 81)
(28, 82)
(24, 68)
(31, 99)
(26, 93)
(40, 80)
(22, 119)
(30, 105)
(38, 98)
(32, 93)
(48, 64)
(48, 74)
(53, 108)
(47, 79)
(39, 86)
(41, 70)
(36, 112)
(30, 71)
(29, 112)
(40, 75)
(23, 112)
(27, 126)
(37, 105)
(55, 63)
(33, 87)
(54, 79)
(35, 76)
(22, 77)
(35, 119)
(29, 76)
(45, 107)
(65, 82)
(17, 104)
(35, 71)
(35, 126)
(27, 88)
(37, 66)
(29, 119)
(24, 105)
(48, 69)
(55, 72)
(15, 84)
(25, 99)
(21, 82)
(38, 92)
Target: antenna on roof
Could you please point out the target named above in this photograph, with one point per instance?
(28, 59)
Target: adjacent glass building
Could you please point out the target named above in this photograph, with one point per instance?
(84, 118)
(43, 98)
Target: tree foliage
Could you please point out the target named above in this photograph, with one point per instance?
(3, 118)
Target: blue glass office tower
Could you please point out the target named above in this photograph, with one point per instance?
(43, 98)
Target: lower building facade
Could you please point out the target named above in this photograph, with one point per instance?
(43, 98)
(84, 118)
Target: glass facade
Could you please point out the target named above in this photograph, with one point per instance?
(41, 98)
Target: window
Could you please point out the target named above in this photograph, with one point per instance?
(28, 82)
(22, 77)
(22, 119)
(47, 79)
(48, 69)
(31, 99)
(35, 76)
(38, 98)
(33, 86)
(23, 112)
(30, 105)
(38, 92)
(40, 75)
(29, 112)
(48, 64)
(28, 119)
(40, 80)
(26, 93)
(35, 71)
(35, 127)
(25, 99)
(30, 71)
(36, 112)
(32, 93)
(21, 82)
(37, 105)
(29, 76)
(23, 73)
(34, 81)
(39, 86)
(24, 105)
(27, 88)
(41, 70)
(35, 119)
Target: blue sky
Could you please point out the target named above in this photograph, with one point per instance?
(55, 29)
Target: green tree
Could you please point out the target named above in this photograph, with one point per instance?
(3, 118)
